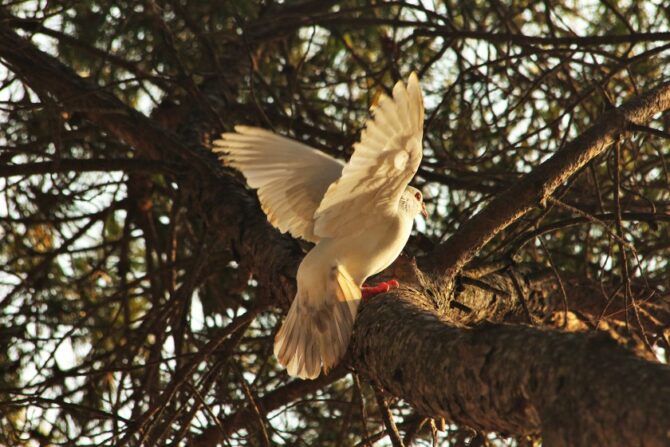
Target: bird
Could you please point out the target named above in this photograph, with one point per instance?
(359, 215)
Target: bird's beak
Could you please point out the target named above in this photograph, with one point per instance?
(424, 213)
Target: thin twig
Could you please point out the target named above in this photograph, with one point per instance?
(387, 417)
(414, 429)
(623, 259)
(364, 416)
(557, 275)
(253, 404)
(593, 219)
(520, 294)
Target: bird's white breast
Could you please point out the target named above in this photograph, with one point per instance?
(364, 253)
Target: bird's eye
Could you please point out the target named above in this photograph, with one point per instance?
(417, 196)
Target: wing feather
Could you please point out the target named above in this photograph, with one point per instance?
(291, 178)
(384, 161)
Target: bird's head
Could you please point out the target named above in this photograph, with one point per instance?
(412, 202)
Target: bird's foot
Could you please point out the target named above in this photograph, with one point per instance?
(382, 287)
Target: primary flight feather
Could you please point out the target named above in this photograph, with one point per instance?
(359, 215)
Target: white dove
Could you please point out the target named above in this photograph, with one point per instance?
(359, 215)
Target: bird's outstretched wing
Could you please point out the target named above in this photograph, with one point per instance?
(291, 177)
(384, 161)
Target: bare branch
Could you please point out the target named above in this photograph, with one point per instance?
(534, 188)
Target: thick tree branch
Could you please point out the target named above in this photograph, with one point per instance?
(242, 225)
(536, 187)
(45, 73)
(71, 165)
(575, 388)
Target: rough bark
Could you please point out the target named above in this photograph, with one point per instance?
(576, 389)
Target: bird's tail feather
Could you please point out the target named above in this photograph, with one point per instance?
(296, 347)
(335, 337)
(312, 334)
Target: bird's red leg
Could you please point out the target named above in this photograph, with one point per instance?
(370, 291)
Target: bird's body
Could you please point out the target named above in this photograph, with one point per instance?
(364, 253)
(359, 215)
